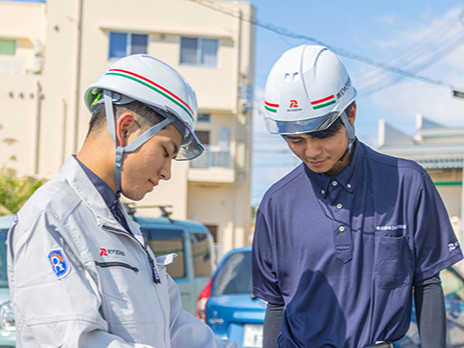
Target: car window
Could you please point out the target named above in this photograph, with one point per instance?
(164, 242)
(234, 276)
(452, 283)
(3, 266)
(202, 253)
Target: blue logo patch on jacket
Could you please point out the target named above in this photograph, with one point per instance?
(60, 264)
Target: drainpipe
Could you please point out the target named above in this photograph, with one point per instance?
(63, 130)
(38, 116)
(77, 84)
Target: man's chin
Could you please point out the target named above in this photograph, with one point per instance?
(134, 196)
(317, 169)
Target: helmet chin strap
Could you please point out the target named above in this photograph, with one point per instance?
(350, 133)
(134, 145)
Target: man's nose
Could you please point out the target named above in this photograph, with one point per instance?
(312, 148)
(165, 171)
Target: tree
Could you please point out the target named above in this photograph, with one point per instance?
(15, 191)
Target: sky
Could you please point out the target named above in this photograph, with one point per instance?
(418, 44)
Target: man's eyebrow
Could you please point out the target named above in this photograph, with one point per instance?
(176, 148)
(288, 136)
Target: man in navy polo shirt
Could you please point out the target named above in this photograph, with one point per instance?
(342, 241)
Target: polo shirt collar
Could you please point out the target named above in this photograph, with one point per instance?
(347, 178)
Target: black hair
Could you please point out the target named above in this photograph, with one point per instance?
(145, 116)
(334, 127)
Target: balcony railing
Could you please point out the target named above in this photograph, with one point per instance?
(11, 65)
(213, 158)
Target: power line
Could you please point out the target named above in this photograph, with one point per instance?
(338, 50)
(433, 46)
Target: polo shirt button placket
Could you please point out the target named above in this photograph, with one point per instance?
(343, 244)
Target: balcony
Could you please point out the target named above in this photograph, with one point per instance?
(11, 65)
(213, 166)
(211, 158)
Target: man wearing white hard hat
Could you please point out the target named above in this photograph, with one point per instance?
(345, 241)
(65, 292)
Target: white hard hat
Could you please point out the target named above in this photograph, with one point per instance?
(154, 83)
(150, 81)
(307, 89)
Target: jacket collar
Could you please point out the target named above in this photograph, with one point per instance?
(91, 197)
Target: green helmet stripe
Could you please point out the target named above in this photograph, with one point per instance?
(153, 88)
(269, 109)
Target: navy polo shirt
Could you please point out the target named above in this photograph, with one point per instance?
(343, 253)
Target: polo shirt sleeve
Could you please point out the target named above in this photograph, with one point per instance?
(436, 245)
(265, 284)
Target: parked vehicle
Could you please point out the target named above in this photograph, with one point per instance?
(7, 323)
(226, 304)
(453, 288)
(193, 244)
(191, 269)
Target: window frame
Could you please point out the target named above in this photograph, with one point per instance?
(129, 47)
(204, 121)
(199, 51)
(202, 258)
(178, 269)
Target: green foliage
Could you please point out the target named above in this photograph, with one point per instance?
(14, 191)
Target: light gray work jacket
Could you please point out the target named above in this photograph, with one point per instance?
(78, 279)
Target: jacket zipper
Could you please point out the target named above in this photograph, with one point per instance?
(116, 264)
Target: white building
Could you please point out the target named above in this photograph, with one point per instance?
(437, 148)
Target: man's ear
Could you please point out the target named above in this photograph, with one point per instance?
(126, 125)
(352, 115)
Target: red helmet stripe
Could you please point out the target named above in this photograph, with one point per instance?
(190, 111)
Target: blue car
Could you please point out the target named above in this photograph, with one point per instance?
(228, 307)
(226, 303)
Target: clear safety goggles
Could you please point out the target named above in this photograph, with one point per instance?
(191, 146)
(309, 125)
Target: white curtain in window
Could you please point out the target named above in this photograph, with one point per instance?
(139, 43)
(209, 52)
(189, 51)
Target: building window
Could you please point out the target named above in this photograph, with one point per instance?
(124, 44)
(204, 118)
(8, 47)
(203, 136)
(198, 51)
